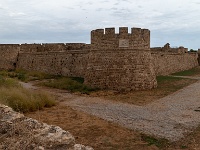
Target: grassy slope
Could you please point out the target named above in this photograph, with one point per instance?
(20, 99)
(191, 72)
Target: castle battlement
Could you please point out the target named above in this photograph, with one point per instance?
(108, 38)
(122, 31)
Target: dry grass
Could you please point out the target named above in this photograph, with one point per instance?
(103, 135)
(166, 85)
(26, 76)
(23, 100)
(91, 130)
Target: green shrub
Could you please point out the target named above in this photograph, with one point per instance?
(191, 72)
(71, 84)
(22, 77)
(162, 79)
(35, 75)
(161, 143)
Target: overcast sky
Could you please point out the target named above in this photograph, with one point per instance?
(43, 21)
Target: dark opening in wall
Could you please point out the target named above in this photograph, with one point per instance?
(15, 65)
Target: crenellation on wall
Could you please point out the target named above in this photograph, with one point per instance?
(123, 32)
(138, 39)
(136, 31)
(110, 32)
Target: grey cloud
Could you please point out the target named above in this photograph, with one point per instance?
(175, 38)
(89, 3)
(64, 21)
(69, 7)
(127, 1)
(121, 13)
(114, 8)
(100, 9)
(139, 6)
(197, 3)
(104, 1)
(46, 37)
(42, 32)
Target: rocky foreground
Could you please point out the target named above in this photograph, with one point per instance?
(19, 132)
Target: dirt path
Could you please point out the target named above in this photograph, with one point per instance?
(169, 117)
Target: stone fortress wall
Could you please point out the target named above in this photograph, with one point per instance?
(59, 59)
(8, 56)
(120, 61)
(167, 60)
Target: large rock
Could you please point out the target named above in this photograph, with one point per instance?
(20, 132)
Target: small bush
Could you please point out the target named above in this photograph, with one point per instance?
(35, 75)
(22, 77)
(161, 143)
(71, 84)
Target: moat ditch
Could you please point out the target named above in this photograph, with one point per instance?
(171, 117)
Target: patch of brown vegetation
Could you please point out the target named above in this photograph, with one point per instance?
(103, 135)
(90, 130)
(147, 96)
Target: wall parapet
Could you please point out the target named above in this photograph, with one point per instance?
(167, 49)
(49, 47)
(108, 39)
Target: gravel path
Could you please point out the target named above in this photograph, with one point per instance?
(169, 117)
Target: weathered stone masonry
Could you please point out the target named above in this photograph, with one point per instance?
(8, 56)
(120, 61)
(60, 59)
(167, 60)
